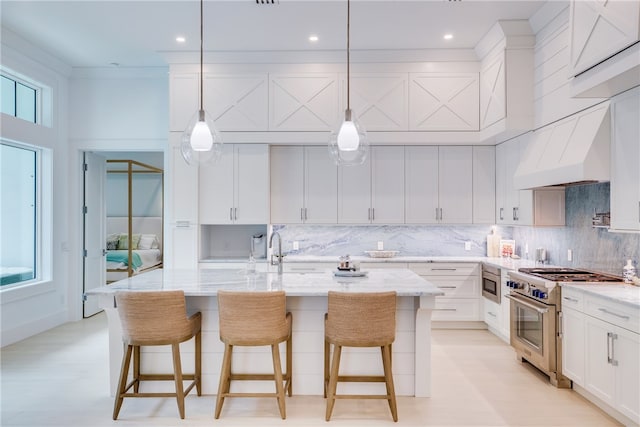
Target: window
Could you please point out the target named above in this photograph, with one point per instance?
(18, 213)
(18, 99)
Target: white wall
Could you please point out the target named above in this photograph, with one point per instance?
(27, 310)
(112, 109)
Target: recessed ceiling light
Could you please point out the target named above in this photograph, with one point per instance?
(181, 39)
(448, 36)
(313, 38)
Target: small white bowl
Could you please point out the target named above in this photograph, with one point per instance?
(381, 254)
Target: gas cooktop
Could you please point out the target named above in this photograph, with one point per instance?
(560, 274)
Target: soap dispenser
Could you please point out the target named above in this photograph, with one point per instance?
(629, 272)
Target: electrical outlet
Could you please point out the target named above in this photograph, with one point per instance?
(381, 246)
(296, 245)
(569, 255)
(467, 246)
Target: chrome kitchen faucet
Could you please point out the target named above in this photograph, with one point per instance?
(275, 233)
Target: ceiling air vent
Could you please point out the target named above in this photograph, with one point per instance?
(267, 1)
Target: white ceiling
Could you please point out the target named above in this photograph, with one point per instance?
(86, 33)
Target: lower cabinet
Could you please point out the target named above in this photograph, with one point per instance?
(460, 282)
(601, 351)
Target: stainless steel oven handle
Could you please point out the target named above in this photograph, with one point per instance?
(529, 305)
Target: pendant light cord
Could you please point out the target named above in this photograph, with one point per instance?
(201, 54)
(348, 53)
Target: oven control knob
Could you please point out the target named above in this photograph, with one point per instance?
(535, 293)
(543, 295)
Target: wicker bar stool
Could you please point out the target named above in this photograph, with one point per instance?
(254, 319)
(152, 319)
(359, 320)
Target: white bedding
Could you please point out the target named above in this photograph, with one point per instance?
(149, 258)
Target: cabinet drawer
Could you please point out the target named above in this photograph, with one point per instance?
(572, 298)
(612, 312)
(445, 268)
(370, 265)
(460, 309)
(456, 286)
(492, 314)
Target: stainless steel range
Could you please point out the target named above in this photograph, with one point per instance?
(536, 315)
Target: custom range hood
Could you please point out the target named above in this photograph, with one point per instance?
(573, 150)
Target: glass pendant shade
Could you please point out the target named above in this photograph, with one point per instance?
(201, 141)
(348, 145)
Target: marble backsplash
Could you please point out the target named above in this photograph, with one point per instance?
(593, 248)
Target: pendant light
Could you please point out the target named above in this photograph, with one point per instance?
(348, 145)
(201, 141)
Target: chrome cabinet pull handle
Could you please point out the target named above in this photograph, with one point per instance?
(235, 213)
(610, 356)
(230, 214)
(444, 269)
(560, 325)
(501, 213)
(305, 214)
(446, 287)
(445, 309)
(570, 299)
(491, 314)
(622, 316)
(301, 214)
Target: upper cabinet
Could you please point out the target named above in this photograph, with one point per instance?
(484, 185)
(506, 80)
(304, 185)
(235, 189)
(379, 100)
(303, 102)
(600, 29)
(540, 207)
(235, 102)
(443, 101)
(439, 187)
(373, 192)
(625, 158)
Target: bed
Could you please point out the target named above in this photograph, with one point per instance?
(146, 252)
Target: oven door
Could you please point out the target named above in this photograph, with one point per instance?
(533, 331)
(491, 287)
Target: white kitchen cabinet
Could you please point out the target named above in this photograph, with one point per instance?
(304, 185)
(439, 185)
(599, 30)
(460, 282)
(484, 185)
(235, 189)
(237, 102)
(379, 99)
(455, 182)
(443, 101)
(373, 192)
(492, 315)
(573, 339)
(421, 180)
(625, 158)
(303, 101)
(601, 350)
(181, 245)
(540, 207)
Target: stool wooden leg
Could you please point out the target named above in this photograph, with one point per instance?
(290, 365)
(136, 368)
(388, 376)
(177, 373)
(327, 351)
(333, 380)
(277, 370)
(122, 382)
(198, 361)
(225, 373)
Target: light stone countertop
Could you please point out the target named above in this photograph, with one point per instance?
(206, 282)
(619, 292)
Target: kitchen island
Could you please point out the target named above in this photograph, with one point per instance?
(307, 300)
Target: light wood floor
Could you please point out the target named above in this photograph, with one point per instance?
(59, 378)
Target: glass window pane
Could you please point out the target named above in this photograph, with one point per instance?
(17, 214)
(25, 103)
(8, 90)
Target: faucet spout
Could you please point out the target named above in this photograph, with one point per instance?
(279, 256)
